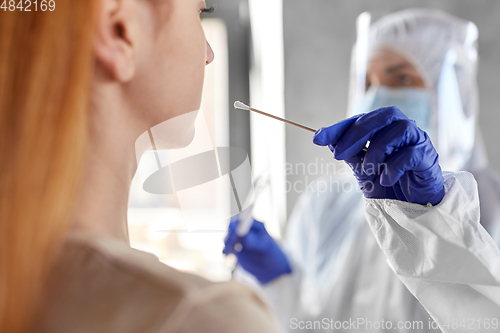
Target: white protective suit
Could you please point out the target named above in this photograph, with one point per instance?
(341, 280)
(443, 255)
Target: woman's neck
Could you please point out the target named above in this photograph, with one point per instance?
(101, 209)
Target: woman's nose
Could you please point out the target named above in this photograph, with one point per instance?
(210, 54)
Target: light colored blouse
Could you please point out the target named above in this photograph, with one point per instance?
(103, 285)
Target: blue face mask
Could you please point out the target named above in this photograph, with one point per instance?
(415, 103)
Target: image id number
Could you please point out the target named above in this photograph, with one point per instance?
(28, 5)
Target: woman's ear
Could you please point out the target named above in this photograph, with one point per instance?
(113, 44)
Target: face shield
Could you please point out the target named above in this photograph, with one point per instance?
(424, 62)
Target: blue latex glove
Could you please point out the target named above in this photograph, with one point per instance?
(260, 255)
(401, 162)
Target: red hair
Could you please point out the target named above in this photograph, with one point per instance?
(45, 72)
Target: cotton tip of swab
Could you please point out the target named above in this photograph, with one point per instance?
(239, 105)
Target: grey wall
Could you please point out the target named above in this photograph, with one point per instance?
(319, 35)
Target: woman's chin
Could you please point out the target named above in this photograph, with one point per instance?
(175, 133)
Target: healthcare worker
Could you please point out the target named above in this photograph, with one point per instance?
(331, 267)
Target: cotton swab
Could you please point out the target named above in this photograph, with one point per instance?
(242, 106)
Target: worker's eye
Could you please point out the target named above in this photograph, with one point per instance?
(208, 10)
(405, 80)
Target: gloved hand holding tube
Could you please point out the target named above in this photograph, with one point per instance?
(258, 254)
(400, 162)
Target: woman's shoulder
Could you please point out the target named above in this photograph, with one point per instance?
(120, 259)
(101, 284)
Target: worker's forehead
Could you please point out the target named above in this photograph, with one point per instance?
(386, 55)
(389, 61)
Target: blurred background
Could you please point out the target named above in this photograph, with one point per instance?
(290, 58)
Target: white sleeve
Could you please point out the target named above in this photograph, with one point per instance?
(443, 255)
(319, 235)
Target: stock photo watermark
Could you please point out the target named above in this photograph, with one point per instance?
(331, 177)
(364, 324)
